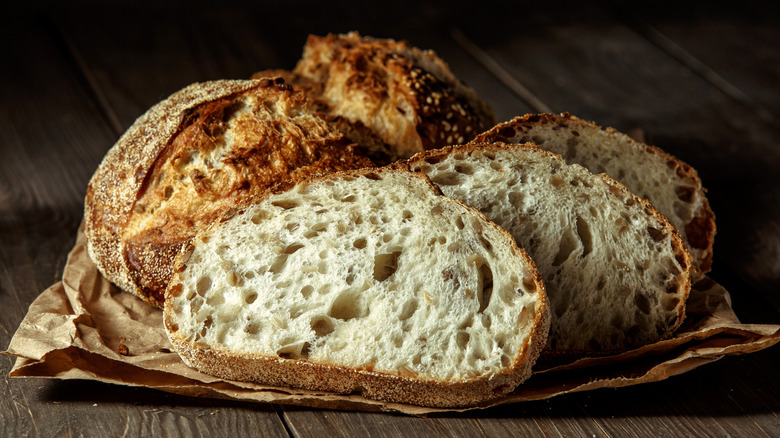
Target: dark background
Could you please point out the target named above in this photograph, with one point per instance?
(697, 80)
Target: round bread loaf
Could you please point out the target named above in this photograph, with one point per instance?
(206, 148)
(391, 98)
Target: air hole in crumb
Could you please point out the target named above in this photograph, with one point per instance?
(307, 290)
(656, 234)
(583, 231)
(315, 230)
(349, 198)
(407, 214)
(485, 285)
(278, 264)
(529, 284)
(322, 326)
(385, 265)
(250, 297)
(464, 168)
(516, 198)
(292, 351)
(292, 226)
(347, 306)
(408, 309)
(168, 192)
(459, 223)
(642, 303)
(462, 339)
(447, 179)
(203, 285)
(285, 204)
(670, 305)
(685, 194)
(360, 243)
(556, 181)
(565, 247)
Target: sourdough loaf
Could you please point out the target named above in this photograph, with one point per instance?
(671, 185)
(391, 98)
(206, 148)
(365, 281)
(616, 272)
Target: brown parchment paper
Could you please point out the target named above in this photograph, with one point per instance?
(85, 328)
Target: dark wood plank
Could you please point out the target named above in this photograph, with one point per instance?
(53, 135)
(713, 41)
(134, 69)
(719, 399)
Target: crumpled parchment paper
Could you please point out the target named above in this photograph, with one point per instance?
(85, 328)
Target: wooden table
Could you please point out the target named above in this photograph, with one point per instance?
(702, 84)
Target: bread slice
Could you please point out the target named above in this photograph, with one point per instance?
(393, 99)
(206, 148)
(672, 186)
(368, 282)
(616, 272)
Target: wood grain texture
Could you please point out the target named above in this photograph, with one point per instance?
(617, 77)
(82, 73)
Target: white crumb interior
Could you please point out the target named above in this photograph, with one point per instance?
(377, 274)
(610, 274)
(646, 175)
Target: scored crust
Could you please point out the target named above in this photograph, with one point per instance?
(206, 148)
(393, 99)
(368, 382)
(698, 230)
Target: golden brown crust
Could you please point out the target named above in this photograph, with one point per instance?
(699, 232)
(207, 148)
(372, 384)
(399, 99)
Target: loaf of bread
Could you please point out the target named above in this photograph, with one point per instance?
(616, 271)
(207, 148)
(672, 186)
(364, 281)
(391, 98)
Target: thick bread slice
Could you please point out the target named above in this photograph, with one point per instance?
(672, 186)
(394, 99)
(367, 281)
(203, 150)
(616, 272)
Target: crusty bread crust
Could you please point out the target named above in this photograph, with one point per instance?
(366, 381)
(680, 288)
(393, 99)
(161, 182)
(698, 232)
